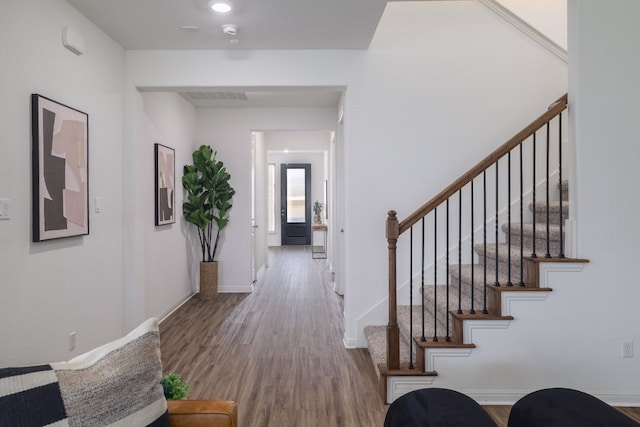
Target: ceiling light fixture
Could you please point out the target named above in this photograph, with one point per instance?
(220, 7)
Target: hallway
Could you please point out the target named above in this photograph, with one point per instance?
(277, 352)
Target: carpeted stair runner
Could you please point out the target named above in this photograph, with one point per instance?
(508, 257)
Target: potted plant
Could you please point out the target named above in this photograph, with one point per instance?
(173, 386)
(207, 205)
(317, 209)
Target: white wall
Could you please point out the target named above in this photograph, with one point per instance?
(168, 264)
(604, 92)
(52, 288)
(465, 83)
(228, 130)
(261, 255)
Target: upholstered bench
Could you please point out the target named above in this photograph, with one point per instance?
(562, 407)
(439, 407)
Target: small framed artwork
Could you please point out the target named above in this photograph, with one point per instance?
(60, 170)
(165, 166)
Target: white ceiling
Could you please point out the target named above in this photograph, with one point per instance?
(262, 24)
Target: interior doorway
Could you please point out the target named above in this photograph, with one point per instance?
(295, 203)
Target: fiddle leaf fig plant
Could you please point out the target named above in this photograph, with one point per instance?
(208, 200)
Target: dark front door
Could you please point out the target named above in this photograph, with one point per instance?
(295, 210)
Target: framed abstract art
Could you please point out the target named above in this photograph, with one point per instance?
(60, 170)
(165, 166)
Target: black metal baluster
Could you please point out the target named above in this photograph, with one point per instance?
(548, 254)
(473, 285)
(497, 283)
(435, 275)
(521, 220)
(423, 338)
(460, 251)
(561, 255)
(447, 250)
(508, 220)
(484, 231)
(535, 210)
(411, 297)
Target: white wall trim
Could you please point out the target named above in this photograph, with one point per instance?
(399, 386)
(471, 325)
(261, 272)
(527, 29)
(350, 343)
(547, 268)
(509, 297)
(238, 289)
(432, 353)
(173, 310)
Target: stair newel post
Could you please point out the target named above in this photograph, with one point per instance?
(393, 332)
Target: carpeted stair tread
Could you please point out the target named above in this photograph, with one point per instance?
(502, 250)
(377, 345)
(540, 237)
(442, 311)
(403, 322)
(528, 230)
(478, 275)
(540, 211)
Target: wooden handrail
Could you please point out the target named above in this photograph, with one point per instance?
(554, 109)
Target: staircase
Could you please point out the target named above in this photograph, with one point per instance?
(473, 293)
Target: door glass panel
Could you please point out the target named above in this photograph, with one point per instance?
(296, 212)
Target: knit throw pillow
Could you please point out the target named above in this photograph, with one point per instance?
(117, 384)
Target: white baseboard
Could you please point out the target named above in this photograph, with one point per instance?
(173, 310)
(239, 289)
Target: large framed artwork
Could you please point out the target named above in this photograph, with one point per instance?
(60, 170)
(165, 167)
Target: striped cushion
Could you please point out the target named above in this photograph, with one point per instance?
(117, 384)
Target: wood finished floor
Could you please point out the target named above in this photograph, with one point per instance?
(278, 352)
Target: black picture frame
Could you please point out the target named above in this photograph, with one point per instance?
(165, 184)
(60, 170)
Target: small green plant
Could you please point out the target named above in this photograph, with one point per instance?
(174, 387)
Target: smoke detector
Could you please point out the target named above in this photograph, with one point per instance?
(230, 29)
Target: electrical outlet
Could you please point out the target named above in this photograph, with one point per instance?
(72, 341)
(627, 349)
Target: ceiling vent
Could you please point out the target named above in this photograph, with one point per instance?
(214, 96)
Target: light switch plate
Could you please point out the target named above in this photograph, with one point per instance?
(5, 209)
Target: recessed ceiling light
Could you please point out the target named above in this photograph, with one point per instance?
(220, 7)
